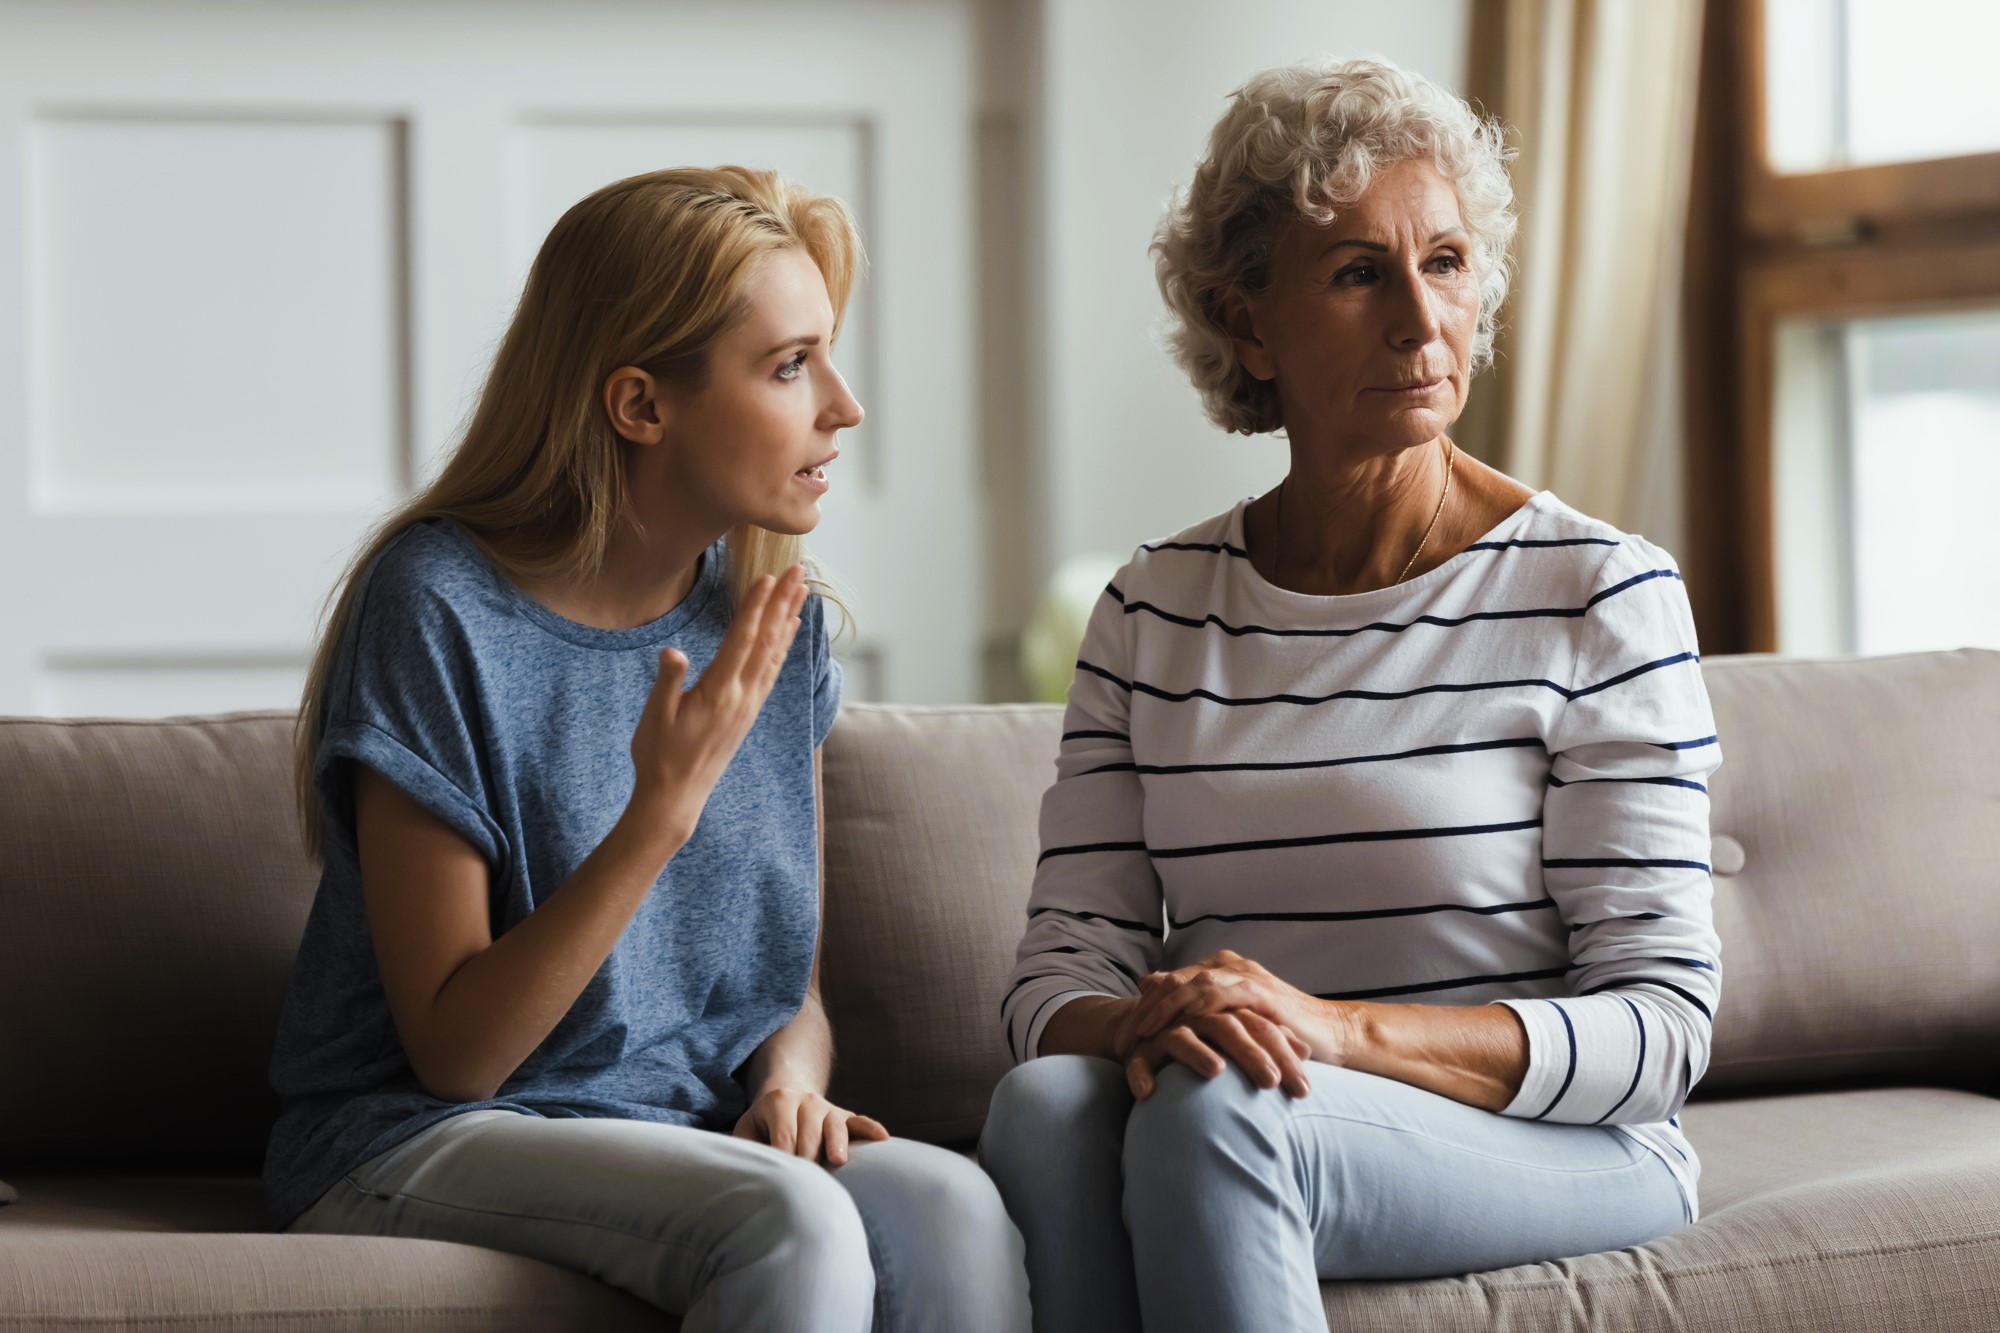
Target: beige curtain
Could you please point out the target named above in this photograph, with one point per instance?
(1584, 395)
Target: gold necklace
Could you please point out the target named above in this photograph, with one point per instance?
(1450, 456)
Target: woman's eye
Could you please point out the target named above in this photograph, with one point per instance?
(1354, 277)
(790, 370)
(1452, 263)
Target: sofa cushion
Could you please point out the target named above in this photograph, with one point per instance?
(152, 894)
(930, 850)
(1846, 1212)
(1857, 851)
(170, 1254)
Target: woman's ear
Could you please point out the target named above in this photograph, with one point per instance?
(1240, 324)
(633, 401)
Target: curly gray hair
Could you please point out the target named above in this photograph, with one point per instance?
(1302, 141)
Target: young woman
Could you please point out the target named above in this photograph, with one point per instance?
(559, 990)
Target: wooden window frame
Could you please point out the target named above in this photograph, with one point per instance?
(1892, 239)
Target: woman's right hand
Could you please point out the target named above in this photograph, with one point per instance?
(1270, 1054)
(686, 738)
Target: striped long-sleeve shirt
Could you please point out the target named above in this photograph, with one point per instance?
(1485, 785)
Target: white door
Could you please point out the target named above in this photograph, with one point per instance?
(254, 259)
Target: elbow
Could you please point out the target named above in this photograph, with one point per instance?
(456, 1086)
(452, 1080)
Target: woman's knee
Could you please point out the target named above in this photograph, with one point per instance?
(930, 1197)
(946, 1250)
(1045, 1103)
(789, 1206)
(1192, 1127)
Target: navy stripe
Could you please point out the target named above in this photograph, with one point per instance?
(1213, 548)
(1328, 839)
(1541, 542)
(1108, 768)
(1032, 976)
(1655, 981)
(1656, 782)
(1454, 984)
(1019, 982)
(1593, 862)
(1632, 582)
(1097, 916)
(1117, 596)
(1082, 848)
(1683, 745)
(1382, 626)
(1388, 626)
(1655, 958)
(1370, 914)
(1637, 1069)
(1571, 1074)
(1294, 764)
(1632, 916)
(1701, 963)
(1095, 736)
(1183, 696)
(1640, 670)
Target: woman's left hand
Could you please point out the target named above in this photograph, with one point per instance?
(1226, 981)
(805, 1124)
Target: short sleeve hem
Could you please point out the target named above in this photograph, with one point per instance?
(414, 776)
(827, 676)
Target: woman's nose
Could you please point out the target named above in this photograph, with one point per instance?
(843, 411)
(1414, 318)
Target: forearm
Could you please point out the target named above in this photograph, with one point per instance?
(1085, 1026)
(798, 1055)
(499, 1005)
(1476, 1054)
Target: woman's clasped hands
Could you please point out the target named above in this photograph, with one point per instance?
(1226, 1006)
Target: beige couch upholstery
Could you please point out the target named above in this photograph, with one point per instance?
(152, 893)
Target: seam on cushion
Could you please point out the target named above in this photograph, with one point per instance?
(182, 722)
(211, 1320)
(1662, 1273)
(1643, 1157)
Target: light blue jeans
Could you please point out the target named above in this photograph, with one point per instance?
(728, 1234)
(1216, 1205)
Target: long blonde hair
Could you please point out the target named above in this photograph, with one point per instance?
(646, 272)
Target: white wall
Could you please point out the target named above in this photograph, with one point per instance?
(1128, 94)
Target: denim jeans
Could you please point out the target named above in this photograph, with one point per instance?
(1216, 1205)
(726, 1233)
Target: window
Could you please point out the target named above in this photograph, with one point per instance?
(1844, 325)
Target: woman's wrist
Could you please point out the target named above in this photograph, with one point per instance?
(650, 823)
(1341, 1034)
(1085, 1025)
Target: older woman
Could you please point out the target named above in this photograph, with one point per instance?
(1370, 936)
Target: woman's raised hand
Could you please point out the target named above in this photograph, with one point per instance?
(686, 738)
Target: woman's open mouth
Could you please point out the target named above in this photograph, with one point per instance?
(813, 478)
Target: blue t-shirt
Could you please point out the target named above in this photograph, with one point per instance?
(514, 726)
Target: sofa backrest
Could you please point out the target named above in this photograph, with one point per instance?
(1856, 841)
(152, 894)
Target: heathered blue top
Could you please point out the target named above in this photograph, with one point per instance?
(514, 726)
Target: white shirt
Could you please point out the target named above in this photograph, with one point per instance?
(1485, 785)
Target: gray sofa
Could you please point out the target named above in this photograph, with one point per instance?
(152, 892)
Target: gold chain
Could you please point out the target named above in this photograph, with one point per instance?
(1450, 456)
